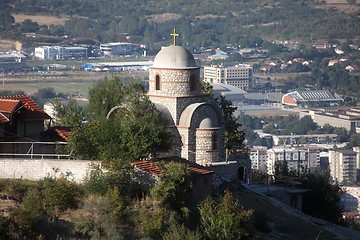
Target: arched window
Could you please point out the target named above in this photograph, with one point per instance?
(192, 83)
(157, 82)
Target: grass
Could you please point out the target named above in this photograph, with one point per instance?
(41, 19)
(68, 88)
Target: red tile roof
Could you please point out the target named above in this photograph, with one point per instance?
(8, 104)
(64, 133)
(3, 118)
(150, 166)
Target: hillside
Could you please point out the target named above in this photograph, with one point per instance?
(275, 221)
(200, 23)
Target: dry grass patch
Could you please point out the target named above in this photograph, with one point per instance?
(41, 19)
(164, 17)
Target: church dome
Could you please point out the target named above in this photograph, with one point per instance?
(174, 57)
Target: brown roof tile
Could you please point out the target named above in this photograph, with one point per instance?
(150, 166)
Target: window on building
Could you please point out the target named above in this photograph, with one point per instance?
(192, 83)
(157, 82)
(214, 143)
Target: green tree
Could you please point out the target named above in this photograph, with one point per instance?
(224, 218)
(234, 137)
(68, 115)
(322, 198)
(124, 125)
(174, 187)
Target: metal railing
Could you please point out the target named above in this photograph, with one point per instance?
(32, 150)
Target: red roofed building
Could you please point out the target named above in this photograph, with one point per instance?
(147, 173)
(21, 117)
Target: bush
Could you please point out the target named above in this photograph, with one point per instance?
(96, 219)
(99, 181)
(18, 188)
(224, 218)
(180, 232)
(174, 188)
(59, 194)
(151, 218)
(29, 213)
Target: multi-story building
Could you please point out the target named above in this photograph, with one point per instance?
(350, 199)
(349, 119)
(342, 165)
(11, 61)
(239, 76)
(120, 49)
(298, 158)
(59, 52)
(258, 157)
(301, 139)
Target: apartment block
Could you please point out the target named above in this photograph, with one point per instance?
(239, 76)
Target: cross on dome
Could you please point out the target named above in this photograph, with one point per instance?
(174, 34)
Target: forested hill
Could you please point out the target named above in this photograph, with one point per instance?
(200, 22)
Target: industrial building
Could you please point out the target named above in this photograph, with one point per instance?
(59, 52)
(11, 61)
(311, 97)
(120, 49)
(348, 119)
(239, 76)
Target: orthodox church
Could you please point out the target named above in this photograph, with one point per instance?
(195, 119)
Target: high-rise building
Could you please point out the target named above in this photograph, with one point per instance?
(298, 159)
(342, 165)
(258, 157)
(239, 76)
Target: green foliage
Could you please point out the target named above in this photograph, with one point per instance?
(28, 214)
(133, 129)
(234, 137)
(99, 181)
(224, 218)
(59, 194)
(68, 115)
(152, 218)
(174, 187)
(96, 220)
(18, 188)
(323, 199)
(180, 232)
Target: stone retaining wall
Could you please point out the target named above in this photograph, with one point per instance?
(35, 169)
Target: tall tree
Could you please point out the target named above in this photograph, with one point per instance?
(124, 125)
(234, 137)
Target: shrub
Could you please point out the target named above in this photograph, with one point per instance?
(224, 218)
(28, 214)
(99, 181)
(180, 232)
(174, 187)
(59, 194)
(96, 219)
(151, 218)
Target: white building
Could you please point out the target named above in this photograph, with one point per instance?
(119, 48)
(297, 158)
(59, 52)
(258, 157)
(231, 93)
(350, 199)
(342, 165)
(238, 76)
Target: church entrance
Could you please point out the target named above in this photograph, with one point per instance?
(242, 174)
